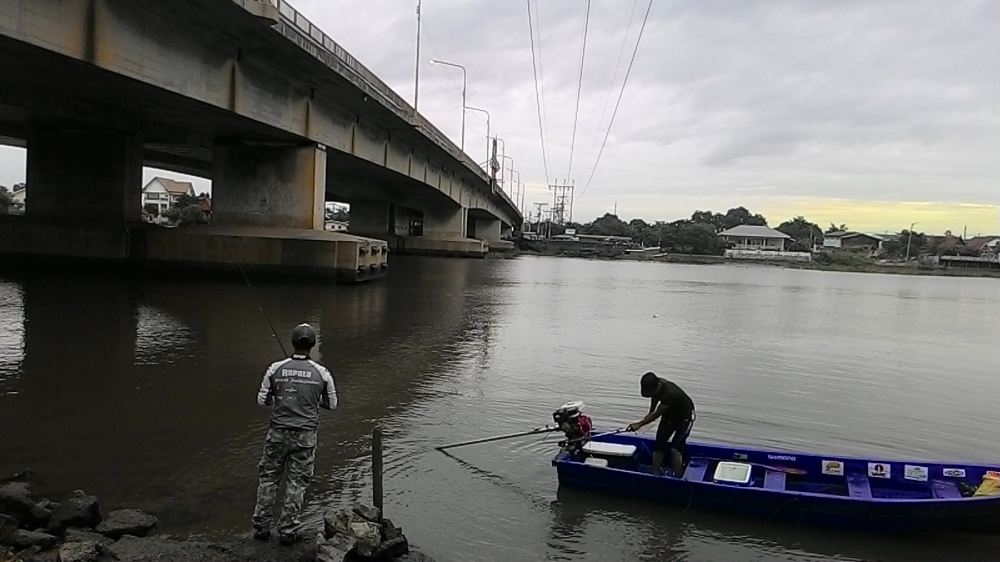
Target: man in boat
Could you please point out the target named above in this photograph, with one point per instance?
(675, 410)
(295, 388)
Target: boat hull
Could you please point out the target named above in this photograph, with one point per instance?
(900, 507)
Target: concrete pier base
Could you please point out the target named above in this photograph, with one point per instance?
(279, 251)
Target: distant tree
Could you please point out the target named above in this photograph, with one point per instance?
(896, 248)
(608, 225)
(835, 228)
(152, 208)
(6, 201)
(688, 237)
(186, 210)
(805, 233)
(740, 215)
(642, 232)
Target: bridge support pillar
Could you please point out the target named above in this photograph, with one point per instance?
(488, 229)
(371, 218)
(445, 223)
(269, 186)
(84, 175)
(444, 231)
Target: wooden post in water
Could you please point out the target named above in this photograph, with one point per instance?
(377, 468)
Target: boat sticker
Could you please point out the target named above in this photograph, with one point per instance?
(739, 456)
(879, 470)
(915, 472)
(953, 472)
(992, 474)
(833, 468)
(789, 458)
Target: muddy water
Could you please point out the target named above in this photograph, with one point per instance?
(141, 390)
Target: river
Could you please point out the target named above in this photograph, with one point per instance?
(141, 390)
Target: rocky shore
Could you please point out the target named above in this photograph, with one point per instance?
(76, 529)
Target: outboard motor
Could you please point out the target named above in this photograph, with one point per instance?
(571, 420)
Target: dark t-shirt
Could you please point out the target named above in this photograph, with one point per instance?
(679, 404)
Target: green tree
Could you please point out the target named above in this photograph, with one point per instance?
(740, 215)
(6, 201)
(186, 210)
(835, 228)
(608, 225)
(805, 233)
(896, 247)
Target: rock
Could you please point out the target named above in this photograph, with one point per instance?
(88, 551)
(414, 556)
(390, 531)
(83, 535)
(15, 500)
(24, 539)
(336, 549)
(367, 512)
(40, 514)
(24, 476)
(8, 526)
(79, 510)
(391, 549)
(126, 522)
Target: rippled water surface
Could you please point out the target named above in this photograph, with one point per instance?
(142, 390)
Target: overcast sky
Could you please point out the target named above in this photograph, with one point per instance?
(875, 114)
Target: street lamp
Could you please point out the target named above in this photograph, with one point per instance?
(487, 129)
(909, 238)
(464, 82)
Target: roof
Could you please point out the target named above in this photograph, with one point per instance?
(978, 242)
(836, 233)
(173, 186)
(754, 231)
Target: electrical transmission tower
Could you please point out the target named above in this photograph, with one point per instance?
(562, 201)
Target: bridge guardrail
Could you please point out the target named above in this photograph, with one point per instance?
(289, 15)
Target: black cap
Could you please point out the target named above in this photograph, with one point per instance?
(303, 336)
(647, 384)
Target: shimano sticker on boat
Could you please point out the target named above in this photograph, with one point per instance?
(833, 468)
(915, 472)
(879, 470)
(953, 472)
(789, 458)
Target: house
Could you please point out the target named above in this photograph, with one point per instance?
(850, 240)
(160, 194)
(752, 237)
(336, 226)
(19, 195)
(984, 245)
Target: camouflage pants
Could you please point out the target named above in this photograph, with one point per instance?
(292, 452)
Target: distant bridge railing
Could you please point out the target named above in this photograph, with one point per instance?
(330, 52)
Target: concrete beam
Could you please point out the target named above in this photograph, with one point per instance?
(488, 229)
(84, 175)
(269, 186)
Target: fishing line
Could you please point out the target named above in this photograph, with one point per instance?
(260, 304)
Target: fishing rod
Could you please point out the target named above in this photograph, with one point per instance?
(537, 430)
(260, 306)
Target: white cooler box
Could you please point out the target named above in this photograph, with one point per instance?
(608, 454)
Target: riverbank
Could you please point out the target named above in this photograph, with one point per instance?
(816, 266)
(76, 529)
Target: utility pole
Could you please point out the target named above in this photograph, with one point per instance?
(538, 221)
(416, 70)
(909, 239)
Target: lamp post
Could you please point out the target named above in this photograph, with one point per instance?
(487, 130)
(464, 83)
(416, 69)
(505, 158)
(909, 238)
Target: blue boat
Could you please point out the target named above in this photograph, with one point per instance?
(877, 494)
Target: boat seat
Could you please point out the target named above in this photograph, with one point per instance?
(775, 480)
(695, 471)
(944, 489)
(858, 486)
(602, 449)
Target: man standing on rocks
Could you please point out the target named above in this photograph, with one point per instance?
(295, 388)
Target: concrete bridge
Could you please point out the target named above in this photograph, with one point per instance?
(246, 92)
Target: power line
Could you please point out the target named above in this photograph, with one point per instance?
(538, 103)
(620, 94)
(579, 87)
(614, 75)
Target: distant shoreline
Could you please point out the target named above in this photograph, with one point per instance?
(719, 260)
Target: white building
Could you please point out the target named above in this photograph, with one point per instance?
(163, 193)
(336, 226)
(752, 237)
